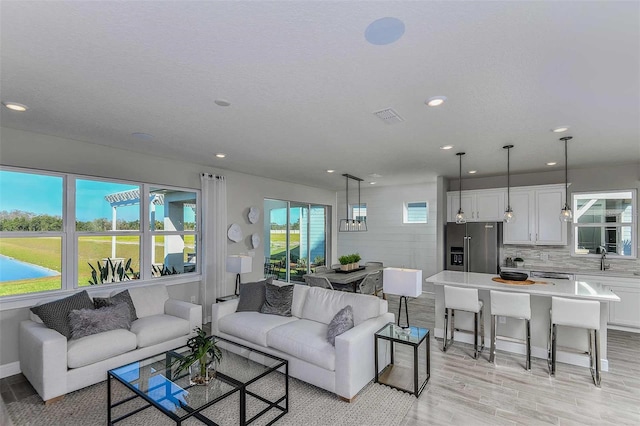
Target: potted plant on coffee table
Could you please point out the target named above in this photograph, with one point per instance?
(201, 360)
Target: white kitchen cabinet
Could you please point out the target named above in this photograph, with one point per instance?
(520, 231)
(536, 210)
(624, 314)
(478, 206)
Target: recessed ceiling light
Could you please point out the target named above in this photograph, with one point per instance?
(372, 183)
(222, 102)
(560, 129)
(551, 163)
(143, 136)
(14, 106)
(436, 101)
(221, 155)
(375, 175)
(445, 147)
(473, 172)
(330, 171)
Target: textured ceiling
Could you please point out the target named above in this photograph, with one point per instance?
(303, 83)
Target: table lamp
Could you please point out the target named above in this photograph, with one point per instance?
(404, 283)
(238, 265)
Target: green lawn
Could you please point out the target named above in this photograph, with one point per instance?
(46, 252)
(278, 243)
(30, 286)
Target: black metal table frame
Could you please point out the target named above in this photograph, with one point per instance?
(239, 387)
(417, 389)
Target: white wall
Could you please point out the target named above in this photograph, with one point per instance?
(37, 151)
(389, 240)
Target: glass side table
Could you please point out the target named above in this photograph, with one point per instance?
(411, 379)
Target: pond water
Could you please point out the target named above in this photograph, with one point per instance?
(11, 270)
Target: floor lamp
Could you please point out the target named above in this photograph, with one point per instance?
(404, 283)
(238, 265)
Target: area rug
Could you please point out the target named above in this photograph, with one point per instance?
(308, 405)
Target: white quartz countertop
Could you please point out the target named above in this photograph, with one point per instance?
(563, 288)
(569, 270)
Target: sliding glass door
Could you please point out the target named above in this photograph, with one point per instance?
(296, 236)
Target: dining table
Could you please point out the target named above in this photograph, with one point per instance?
(347, 278)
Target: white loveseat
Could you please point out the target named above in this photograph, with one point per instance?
(56, 366)
(302, 338)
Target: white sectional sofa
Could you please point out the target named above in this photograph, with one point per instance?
(302, 338)
(56, 366)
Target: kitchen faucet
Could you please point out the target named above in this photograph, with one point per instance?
(603, 251)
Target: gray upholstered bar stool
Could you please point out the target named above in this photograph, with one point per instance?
(463, 299)
(576, 313)
(513, 305)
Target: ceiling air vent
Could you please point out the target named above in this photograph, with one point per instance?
(389, 116)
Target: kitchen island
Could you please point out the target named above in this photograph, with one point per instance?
(541, 294)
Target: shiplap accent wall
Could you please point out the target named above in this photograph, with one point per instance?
(389, 240)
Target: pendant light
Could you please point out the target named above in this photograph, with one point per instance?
(509, 216)
(352, 225)
(460, 215)
(565, 214)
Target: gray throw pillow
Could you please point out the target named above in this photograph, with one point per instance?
(278, 300)
(101, 302)
(340, 323)
(252, 296)
(55, 315)
(124, 297)
(85, 322)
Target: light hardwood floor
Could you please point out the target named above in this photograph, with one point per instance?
(465, 391)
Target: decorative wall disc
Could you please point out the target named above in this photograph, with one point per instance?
(254, 214)
(255, 240)
(235, 233)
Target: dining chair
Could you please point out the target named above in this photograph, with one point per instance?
(335, 266)
(322, 269)
(318, 282)
(372, 283)
(377, 264)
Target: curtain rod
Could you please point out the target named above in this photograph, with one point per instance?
(219, 177)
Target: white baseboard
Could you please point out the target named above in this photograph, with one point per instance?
(10, 369)
(581, 360)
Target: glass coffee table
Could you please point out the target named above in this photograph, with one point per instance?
(260, 380)
(412, 376)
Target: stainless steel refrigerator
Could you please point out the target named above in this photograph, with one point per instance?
(473, 247)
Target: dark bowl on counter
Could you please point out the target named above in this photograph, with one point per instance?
(513, 276)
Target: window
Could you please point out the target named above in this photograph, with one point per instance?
(31, 232)
(296, 235)
(108, 236)
(359, 211)
(172, 222)
(107, 231)
(415, 212)
(605, 220)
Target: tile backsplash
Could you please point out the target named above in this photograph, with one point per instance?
(560, 257)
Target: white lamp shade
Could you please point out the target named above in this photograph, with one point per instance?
(239, 264)
(402, 282)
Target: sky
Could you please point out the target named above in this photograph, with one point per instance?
(279, 216)
(42, 194)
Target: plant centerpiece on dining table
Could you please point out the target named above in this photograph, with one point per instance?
(202, 359)
(349, 262)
